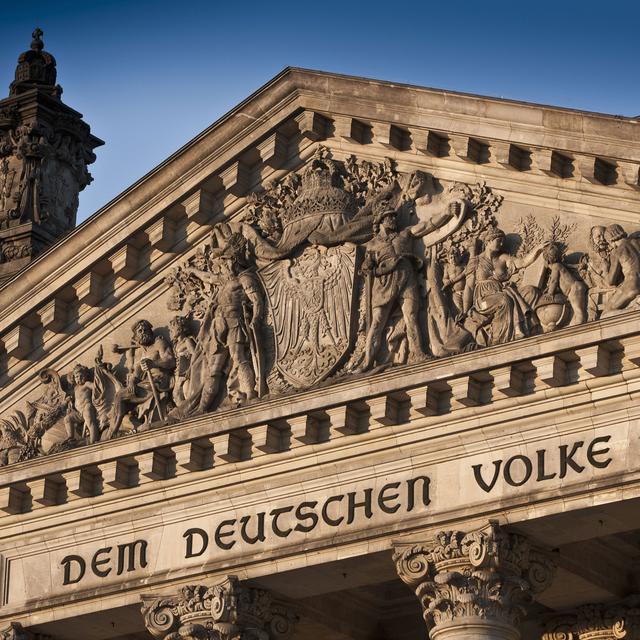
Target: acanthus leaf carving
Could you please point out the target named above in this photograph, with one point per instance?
(482, 574)
(228, 610)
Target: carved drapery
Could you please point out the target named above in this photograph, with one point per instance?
(474, 584)
(324, 275)
(228, 610)
(609, 621)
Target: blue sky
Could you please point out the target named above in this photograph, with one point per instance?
(148, 76)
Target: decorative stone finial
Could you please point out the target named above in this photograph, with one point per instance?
(36, 69)
(36, 43)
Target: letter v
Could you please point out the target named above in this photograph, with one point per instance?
(477, 472)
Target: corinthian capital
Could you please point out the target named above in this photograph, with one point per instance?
(225, 611)
(489, 575)
(611, 621)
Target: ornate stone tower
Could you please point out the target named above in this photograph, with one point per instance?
(45, 148)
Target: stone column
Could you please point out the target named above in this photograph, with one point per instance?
(474, 585)
(225, 611)
(611, 621)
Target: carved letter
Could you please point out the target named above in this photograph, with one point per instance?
(353, 505)
(128, 551)
(98, 561)
(566, 460)
(383, 499)
(411, 498)
(204, 542)
(66, 563)
(276, 513)
(541, 474)
(309, 515)
(325, 511)
(259, 537)
(591, 454)
(528, 470)
(220, 534)
(477, 472)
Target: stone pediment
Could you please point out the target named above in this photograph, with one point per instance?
(326, 230)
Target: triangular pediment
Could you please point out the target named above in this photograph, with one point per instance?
(263, 236)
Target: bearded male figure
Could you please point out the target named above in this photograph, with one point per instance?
(151, 363)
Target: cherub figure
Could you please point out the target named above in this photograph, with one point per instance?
(82, 413)
(562, 279)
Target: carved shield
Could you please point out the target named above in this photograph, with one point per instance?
(311, 298)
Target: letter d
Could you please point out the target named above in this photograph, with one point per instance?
(204, 542)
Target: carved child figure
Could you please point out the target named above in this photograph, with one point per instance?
(83, 413)
(562, 280)
(184, 346)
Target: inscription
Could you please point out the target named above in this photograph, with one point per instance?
(127, 557)
(334, 511)
(338, 510)
(521, 469)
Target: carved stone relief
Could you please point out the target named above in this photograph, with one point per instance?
(342, 269)
(480, 578)
(226, 611)
(44, 154)
(609, 621)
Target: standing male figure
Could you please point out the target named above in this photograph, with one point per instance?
(230, 330)
(392, 266)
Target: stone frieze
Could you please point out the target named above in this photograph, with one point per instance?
(342, 269)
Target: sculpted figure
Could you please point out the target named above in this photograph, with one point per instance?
(500, 312)
(392, 266)
(562, 287)
(184, 346)
(454, 276)
(594, 269)
(229, 335)
(624, 271)
(83, 413)
(150, 363)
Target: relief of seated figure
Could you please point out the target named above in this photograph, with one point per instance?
(499, 312)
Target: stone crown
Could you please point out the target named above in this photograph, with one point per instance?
(36, 69)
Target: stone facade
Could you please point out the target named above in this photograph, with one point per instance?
(353, 344)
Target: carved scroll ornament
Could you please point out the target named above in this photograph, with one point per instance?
(487, 574)
(602, 621)
(342, 269)
(225, 611)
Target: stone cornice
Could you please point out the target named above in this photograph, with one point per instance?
(604, 356)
